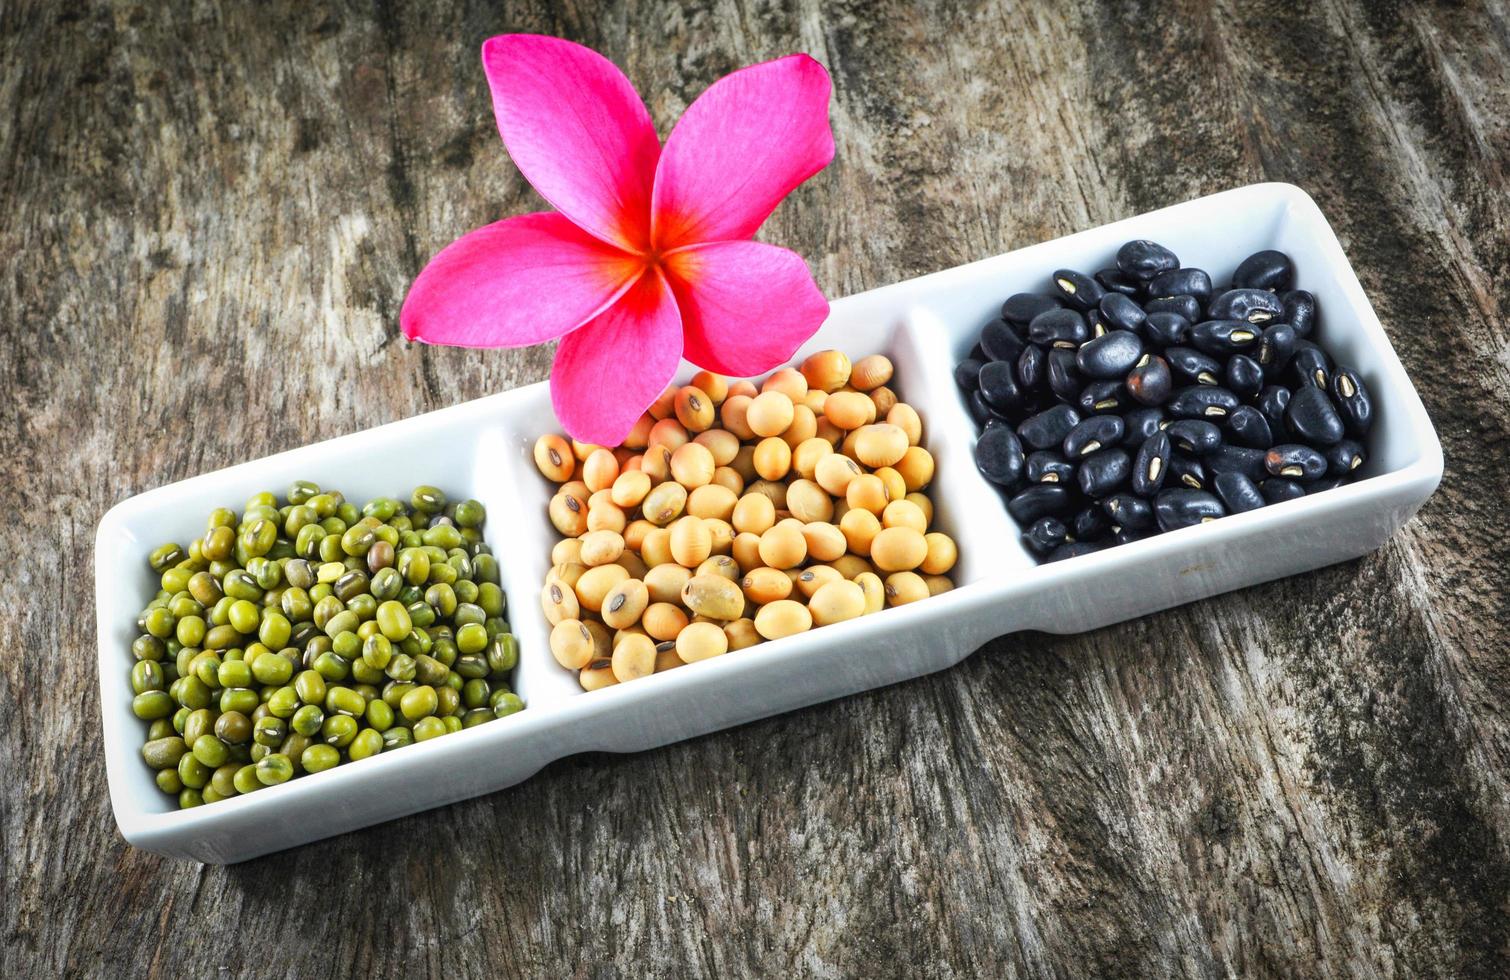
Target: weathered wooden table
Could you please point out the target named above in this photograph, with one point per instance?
(209, 214)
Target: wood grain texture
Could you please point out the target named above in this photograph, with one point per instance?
(209, 214)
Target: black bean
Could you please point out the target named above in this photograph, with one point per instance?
(1236, 459)
(1295, 462)
(1074, 549)
(1141, 423)
(1143, 259)
(1127, 535)
(1237, 492)
(1273, 401)
(1032, 368)
(1186, 306)
(1048, 466)
(967, 374)
(1202, 402)
(1090, 524)
(1343, 458)
(1117, 281)
(979, 410)
(978, 353)
(1352, 401)
(1045, 534)
(1194, 436)
(1326, 483)
(1191, 367)
(1058, 328)
(1049, 427)
(1182, 282)
(1246, 426)
(1186, 471)
(1110, 356)
(1077, 289)
(1245, 378)
(1021, 308)
(1268, 269)
(1128, 511)
(1103, 471)
(1309, 366)
(1000, 341)
(1222, 338)
(1277, 490)
(1312, 418)
(1102, 396)
(1121, 313)
(1151, 466)
(1180, 507)
(1252, 306)
(1064, 376)
(1275, 348)
(1300, 311)
(998, 456)
(1150, 380)
(1096, 432)
(998, 386)
(1039, 500)
(1166, 329)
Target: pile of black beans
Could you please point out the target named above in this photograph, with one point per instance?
(1142, 399)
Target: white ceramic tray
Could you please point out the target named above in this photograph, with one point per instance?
(481, 449)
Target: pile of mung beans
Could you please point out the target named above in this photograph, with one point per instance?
(734, 514)
(299, 636)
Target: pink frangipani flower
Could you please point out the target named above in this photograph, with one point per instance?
(648, 256)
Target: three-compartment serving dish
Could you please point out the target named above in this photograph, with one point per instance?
(482, 449)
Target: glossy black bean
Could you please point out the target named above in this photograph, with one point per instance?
(1312, 418)
(967, 374)
(1121, 313)
(1098, 326)
(1276, 345)
(1246, 426)
(1059, 328)
(998, 386)
(1300, 311)
(1269, 269)
(1277, 490)
(1077, 289)
(1166, 329)
(1236, 459)
(1202, 402)
(1343, 458)
(1251, 306)
(1186, 306)
(1102, 396)
(1352, 401)
(1309, 366)
(1295, 462)
(1244, 376)
(1191, 367)
(1195, 436)
(1237, 492)
(1039, 500)
(1117, 281)
(1064, 376)
(1021, 308)
(1096, 432)
(1187, 471)
(1102, 472)
(1045, 534)
(1223, 338)
(1110, 356)
(1090, 524)
(1151, 465)
(1143, 259)
(1074, 549)
(1272, 402)
(1180, 507)
(1150, 381)
(998, 456)
(1140, 423)
(1182, 282)
(1048, 466)
(1049, 427)
(1000, 341)
(1128, 511)
(979, 410)
(1032, 368)
(1127, 535)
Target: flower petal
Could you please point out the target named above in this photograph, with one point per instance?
(578, 132)
(746, 142)
(608, 373)
(746, 306)
(515, 282)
